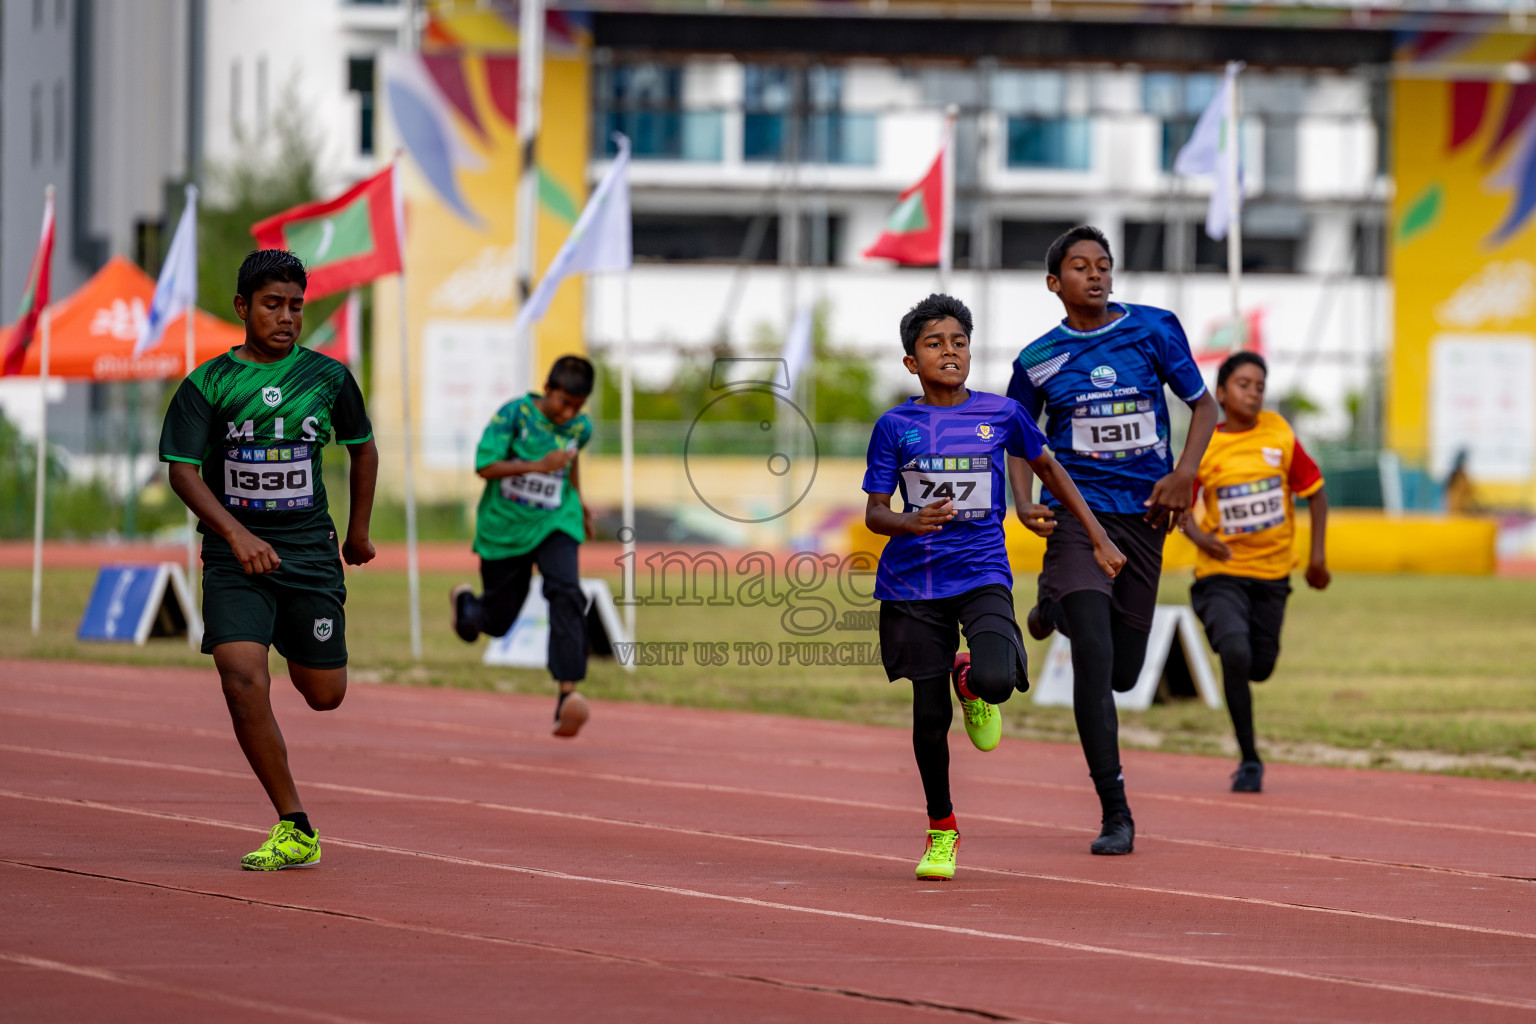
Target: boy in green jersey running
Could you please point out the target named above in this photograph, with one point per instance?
(243, 436)
(532, 512)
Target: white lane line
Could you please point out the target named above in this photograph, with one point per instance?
(508, 765)
(502, 940)
(652, 826)
(266, 1009)
(1398, 988)
(1268, 809)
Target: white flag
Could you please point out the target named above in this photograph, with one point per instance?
(797, 344)
(600, 240)
(176, 291)
(1210, 150)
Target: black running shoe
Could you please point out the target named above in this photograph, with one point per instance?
(1249, 777)
(1117, 837)
(458, 598)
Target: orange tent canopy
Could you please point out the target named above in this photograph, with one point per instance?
(92, 332)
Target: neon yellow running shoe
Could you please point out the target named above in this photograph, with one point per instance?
(286, 847)
(938, 863)
(983, 723)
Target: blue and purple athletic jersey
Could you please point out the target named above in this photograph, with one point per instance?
(929, 453)
(1102, 393)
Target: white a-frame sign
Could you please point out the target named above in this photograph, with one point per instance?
(1169, 621)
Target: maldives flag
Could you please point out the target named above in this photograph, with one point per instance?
(344, 242)
(340, 337)
(39, 287)
(914, 232)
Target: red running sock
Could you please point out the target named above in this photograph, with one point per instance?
(962, 683)
(944, 824)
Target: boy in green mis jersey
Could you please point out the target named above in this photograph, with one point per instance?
(532, 512)
(243, 436)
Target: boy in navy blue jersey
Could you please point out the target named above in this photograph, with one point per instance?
(946, 564)
(1099, 376)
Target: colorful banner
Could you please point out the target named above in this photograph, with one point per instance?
(453, 112)
(1463, 369)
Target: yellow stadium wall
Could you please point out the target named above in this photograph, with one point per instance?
(1358, 541)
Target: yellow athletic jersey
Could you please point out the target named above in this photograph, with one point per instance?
(1251, 479)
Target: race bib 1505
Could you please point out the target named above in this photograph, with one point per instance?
(965, 481)
(277, 478)
(1114, 430)
(541, 490)
(1249, 508)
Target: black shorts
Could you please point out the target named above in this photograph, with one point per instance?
(1228, 605)
(1069, 564)
(919, 639)
(297, 609)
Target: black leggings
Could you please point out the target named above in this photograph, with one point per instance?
(1239, 664)
(995, 671)
(506, 583)
(1107, 656)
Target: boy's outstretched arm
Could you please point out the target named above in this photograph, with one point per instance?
(361, 482)
(1176, 492)
(1055, 478)
(1318, 576)
(1037, 518)
(928, 519)
(254, 554)
(552, 462)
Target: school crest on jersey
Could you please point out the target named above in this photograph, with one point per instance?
(1103, 377)
(1272, 456)
(272, 395)
(984, 431)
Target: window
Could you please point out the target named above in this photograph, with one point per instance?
(58, 122)
(1144, 247)
(360, 79)
(59, 7)
(37, 124)
(645, 102)
(1024, 242)
(1178, 99)
(234, 99)
(718, 238)
(1370, 249)
(1043, 133)
(783, 105)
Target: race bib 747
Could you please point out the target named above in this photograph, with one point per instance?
(965, 481)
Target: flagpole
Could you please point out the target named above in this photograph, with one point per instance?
(530, 84)
(194, 579)
(627, 448)
(1234, 197)
(39, 499)
(947, 214)
(412, 566)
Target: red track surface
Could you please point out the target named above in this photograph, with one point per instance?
(678, 865)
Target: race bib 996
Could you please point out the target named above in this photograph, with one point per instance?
(541, 490)
(275, 478)
(965, 481)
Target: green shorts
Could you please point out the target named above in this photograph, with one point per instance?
(297, 609)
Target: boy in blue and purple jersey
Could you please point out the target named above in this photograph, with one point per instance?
(1098, 376)
(946, 565)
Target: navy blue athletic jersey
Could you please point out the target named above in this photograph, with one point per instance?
(1102, 393)
(930, 453)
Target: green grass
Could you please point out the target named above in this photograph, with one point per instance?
(1375, 664)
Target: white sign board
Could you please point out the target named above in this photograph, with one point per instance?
(1054, 685)
(469, 369)
(526, 644)
(1482, 400)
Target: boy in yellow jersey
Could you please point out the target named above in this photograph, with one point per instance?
(1252, 472)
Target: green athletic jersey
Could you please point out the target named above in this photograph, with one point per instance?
(258, 430)
(517, 512)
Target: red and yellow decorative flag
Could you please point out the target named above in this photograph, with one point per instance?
(344, 242)
(39, 290)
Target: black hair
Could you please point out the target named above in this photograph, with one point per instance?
(571, 374)
(1083, 233)
(934, 307)
(266, 265)
(1232, 362)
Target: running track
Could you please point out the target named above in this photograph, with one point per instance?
(679, 865)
